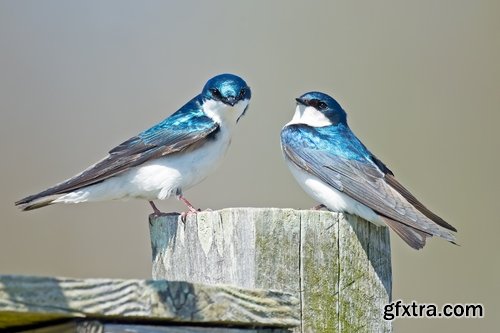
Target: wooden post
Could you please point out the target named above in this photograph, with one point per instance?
(338, 265)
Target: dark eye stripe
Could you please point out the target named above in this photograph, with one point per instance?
(316, 103)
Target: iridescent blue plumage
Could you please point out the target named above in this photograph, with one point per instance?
(188, 118)
(185, 125)
(338, 140)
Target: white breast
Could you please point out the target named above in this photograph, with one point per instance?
(331, 197)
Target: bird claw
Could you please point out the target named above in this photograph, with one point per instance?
(184, 215)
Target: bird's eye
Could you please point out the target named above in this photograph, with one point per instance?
(314, 103)
(216, 93)
(322, 105)
(242, 92)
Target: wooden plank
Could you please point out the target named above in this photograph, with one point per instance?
(319, 271)
(26, 300)
(365, 276)
(277, 243)
(329, 260)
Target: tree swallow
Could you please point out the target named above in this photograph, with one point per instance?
(332, 165)
(163, 161)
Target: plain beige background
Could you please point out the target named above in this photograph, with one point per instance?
(420, 81)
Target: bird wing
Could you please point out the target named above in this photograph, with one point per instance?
(186, 129)
(363, 181)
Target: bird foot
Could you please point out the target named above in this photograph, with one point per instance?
(184, 215)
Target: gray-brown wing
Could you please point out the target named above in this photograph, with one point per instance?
(133, 152)
(364, 182)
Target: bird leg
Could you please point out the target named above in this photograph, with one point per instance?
(157, 212)
(187, 203)
(192, 209)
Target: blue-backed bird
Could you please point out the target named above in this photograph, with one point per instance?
(332, 165)
(164, 160)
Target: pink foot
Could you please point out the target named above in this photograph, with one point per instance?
(184, 215)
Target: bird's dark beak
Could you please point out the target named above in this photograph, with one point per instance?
(231, 100)
(301, 101)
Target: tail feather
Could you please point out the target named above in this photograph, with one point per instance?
(30, 203)
(413, 237)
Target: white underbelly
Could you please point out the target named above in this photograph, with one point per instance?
(330, 197)
(160, 178)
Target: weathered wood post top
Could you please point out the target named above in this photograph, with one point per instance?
(338, 265)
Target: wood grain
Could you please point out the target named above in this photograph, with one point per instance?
(27, 300)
